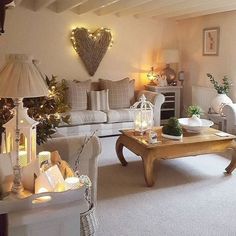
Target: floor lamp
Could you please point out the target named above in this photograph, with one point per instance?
(20, 79)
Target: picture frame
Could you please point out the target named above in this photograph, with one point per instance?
(211, 39)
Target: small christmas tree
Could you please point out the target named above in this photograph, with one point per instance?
(46, 110)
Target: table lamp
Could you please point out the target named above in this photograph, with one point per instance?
(20, 79)
(170, 56)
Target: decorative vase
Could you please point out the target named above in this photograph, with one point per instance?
(194, 120)
(219, 101)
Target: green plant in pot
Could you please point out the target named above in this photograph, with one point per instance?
(194, 113)
(194, 110)
(222, 93)
(172, 128)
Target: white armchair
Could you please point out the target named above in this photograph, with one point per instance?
(229, 111)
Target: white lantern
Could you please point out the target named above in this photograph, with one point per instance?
(143, 119)
(27, 145)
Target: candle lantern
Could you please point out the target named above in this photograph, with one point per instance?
(27, 142)
(143, 119)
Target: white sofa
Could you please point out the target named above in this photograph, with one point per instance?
(229, 111)
(105, 122)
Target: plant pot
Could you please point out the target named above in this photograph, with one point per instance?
(219, 101)
(194, 120)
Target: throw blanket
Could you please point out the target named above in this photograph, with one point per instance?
(3, 225)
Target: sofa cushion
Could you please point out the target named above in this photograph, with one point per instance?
(120, 115)
(98, 100)
(77, 94)
(118, 92)
(131, 91)
(87, 117)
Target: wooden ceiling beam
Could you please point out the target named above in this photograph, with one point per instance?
(119, 6)
(92, 5)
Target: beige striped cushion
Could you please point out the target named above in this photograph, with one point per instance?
(131, 91)
(77, 94)
(118, 92)
(99, 100)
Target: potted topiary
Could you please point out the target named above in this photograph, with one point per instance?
(222, 93)
(172, 129)
(194, 112)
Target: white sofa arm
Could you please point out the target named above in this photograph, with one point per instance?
(68, 148)
(157, 99)
(229, 111)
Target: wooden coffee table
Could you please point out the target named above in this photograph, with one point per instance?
(191, 144)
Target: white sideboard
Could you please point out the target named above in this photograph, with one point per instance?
(171, 106)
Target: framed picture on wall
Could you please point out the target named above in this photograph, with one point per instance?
(211, 37)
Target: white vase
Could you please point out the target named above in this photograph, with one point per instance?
(219, 101)
(194, 121)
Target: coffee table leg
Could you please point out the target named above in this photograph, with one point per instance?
(119, 152)
(232, 165)
(148, 164)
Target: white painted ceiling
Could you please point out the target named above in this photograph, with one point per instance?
(155, 9)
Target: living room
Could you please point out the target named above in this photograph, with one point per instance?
(197, 200)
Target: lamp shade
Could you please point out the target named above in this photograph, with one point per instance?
(169, 56)
(20, 78)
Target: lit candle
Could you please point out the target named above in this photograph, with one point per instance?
(72, 183)
(23, 158)
(44, 156)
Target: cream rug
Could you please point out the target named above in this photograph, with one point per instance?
(192, 196)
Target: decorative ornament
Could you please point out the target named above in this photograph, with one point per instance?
(91, 46)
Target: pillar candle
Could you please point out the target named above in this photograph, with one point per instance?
(23, 160)
(44, 156)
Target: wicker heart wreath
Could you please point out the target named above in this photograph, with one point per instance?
(91, 46)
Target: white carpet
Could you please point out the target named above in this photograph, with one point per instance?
(191, 196)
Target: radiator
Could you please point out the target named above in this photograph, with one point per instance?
(202, 96)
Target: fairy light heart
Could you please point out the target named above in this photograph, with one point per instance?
(91, 47)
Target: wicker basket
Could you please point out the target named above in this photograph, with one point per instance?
(88, 222)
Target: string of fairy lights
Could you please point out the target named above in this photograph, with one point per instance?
(94, 36)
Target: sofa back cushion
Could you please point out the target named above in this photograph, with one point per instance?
(77, 94)
(119, 92)
(131, 91)
(98, 100)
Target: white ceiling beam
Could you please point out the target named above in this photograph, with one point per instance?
(63, 5)
(174, 7)
(118, 6)
(206, 12)
(92, 5)
(147, 7)
(39, 4)
(196, 8)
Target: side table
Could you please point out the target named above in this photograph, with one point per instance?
(219, 120)
(58, 217)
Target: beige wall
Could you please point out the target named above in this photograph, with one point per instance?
(45, 35)
(195, 64)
